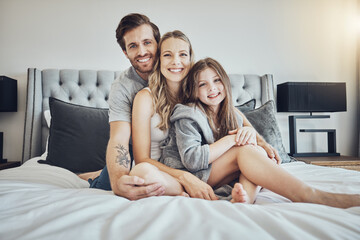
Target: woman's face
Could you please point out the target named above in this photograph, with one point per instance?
(174, 59)
(211, 90)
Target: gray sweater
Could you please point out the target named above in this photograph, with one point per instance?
(187, 147)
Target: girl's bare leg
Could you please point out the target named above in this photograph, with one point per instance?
(151, 174)
(259, 170)
(89, 175)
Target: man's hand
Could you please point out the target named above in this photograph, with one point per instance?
(134, 188)
(271, 151)
(197, 188)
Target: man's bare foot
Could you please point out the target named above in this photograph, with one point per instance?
(89, 175)
(239, 194)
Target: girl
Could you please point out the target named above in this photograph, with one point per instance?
(209, 147)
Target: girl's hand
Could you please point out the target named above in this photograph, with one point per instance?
(244, 136)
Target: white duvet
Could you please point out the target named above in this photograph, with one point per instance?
(39, 201)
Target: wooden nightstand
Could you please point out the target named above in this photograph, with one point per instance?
(9, 165)
(346, 162)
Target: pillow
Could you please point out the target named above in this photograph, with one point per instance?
(47, 117)
(78, 137)
(248, 106)
(264, 121)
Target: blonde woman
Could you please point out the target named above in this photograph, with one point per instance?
(152, 109)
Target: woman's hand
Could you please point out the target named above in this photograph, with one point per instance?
(197, 188)
(244, 136)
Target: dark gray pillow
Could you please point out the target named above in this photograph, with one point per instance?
(78, 137)
(248, 106)
(264, 121)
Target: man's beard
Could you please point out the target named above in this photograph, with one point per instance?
(143, 69)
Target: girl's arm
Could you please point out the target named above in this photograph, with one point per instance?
(219, 147)
(195, 151)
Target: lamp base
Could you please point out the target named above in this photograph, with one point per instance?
(3, 160)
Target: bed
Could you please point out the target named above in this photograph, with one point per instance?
(49, 201)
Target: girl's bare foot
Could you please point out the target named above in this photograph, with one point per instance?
(89, 175)
(239, 194)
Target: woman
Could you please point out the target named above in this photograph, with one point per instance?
(152, 108)
(207, 143)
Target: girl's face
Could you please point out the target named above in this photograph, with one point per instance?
(174, 59)
(211, 89)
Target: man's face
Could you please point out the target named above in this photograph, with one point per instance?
(141, 48)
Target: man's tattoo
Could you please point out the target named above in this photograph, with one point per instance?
(122, 157)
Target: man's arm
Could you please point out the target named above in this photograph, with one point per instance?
(118, 164)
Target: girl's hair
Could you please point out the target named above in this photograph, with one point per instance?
(226, 116)
(164, 100)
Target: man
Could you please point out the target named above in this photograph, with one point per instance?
(138, 38)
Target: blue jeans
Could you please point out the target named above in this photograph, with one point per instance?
(102, 181)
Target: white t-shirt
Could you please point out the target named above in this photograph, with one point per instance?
(157, 135)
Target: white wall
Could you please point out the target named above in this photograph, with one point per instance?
(295, 40)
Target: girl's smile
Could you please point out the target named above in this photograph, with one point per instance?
(211, 89)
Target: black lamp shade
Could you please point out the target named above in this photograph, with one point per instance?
(8, 94)
(311, 97)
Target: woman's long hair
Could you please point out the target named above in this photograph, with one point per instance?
(164, 101)
(226, 116)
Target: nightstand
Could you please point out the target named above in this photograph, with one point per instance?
(347, 162)
(9, 165)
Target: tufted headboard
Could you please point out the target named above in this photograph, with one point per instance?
(91, 88)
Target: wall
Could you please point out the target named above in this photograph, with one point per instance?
(304, 40)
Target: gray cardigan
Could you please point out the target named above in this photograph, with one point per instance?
(187, 147)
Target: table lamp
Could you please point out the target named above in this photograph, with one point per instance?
(8, 103)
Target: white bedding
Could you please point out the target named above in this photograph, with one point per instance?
(39, 201)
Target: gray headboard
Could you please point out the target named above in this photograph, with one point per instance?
(91, 88)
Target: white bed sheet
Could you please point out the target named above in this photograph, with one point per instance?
(39, 201)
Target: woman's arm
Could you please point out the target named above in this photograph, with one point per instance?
(142, 112)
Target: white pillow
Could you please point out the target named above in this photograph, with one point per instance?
(47, 117)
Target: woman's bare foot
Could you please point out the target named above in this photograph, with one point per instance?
(89, 175)
(239, 194)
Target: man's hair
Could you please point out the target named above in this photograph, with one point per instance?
(131, 21)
